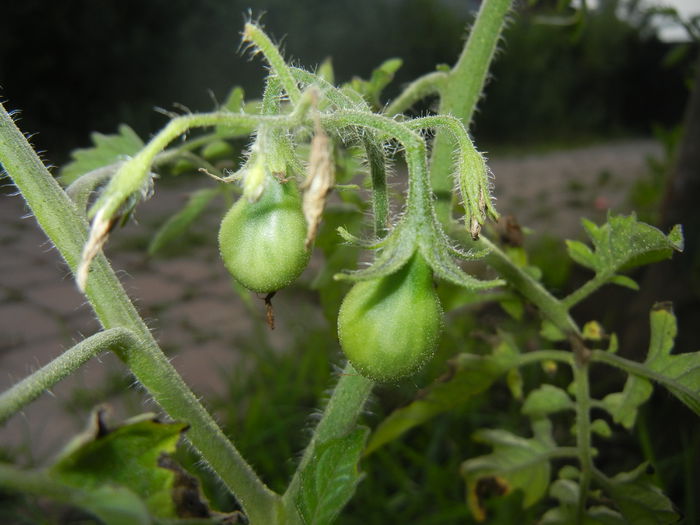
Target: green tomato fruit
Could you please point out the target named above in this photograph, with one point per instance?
(389, 327)
(262, 242)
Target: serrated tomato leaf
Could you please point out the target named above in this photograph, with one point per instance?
(516, 463)
(623, 243)
(680, 374)
(328, 481)
(107, 149)
(127, 456)
(468, 375)
(639, 500)
(545, 400)
(567, 492)
(623, 406)
(111, 504)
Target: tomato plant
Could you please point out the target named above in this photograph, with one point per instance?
(310, 134)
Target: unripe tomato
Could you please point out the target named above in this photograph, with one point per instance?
(389, 327)
(262, 242)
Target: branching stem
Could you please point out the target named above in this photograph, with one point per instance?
(31, 387)
(422, 87)
(464, 86)
(67, 229)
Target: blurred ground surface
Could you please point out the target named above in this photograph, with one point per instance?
(188, 300)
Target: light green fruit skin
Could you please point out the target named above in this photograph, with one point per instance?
(389, 327)
(262, 242)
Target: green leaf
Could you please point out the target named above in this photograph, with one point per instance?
(680, 374)
(234, 100)
(325, 71)
(639, 500)
(567, 492)
(178, 224)
(623, 280)
(581, 253)
(623, 406)
(516, 463)
(112, 505)
(217, 150)
(514, 380)
(601, 427)
(328, 481)
(551, 332)
(127, 456)
(547, 399)
(623, 243)
(107, 149)
(381, 77)
(468, 376)
(513, 305)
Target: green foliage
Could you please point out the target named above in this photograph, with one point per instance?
(639, 500)
(468, 376)
(328, 481)
(546, 400)
(516, 463)
(127, 456)
(623, 243)
(107, 149)
(680, 374)
(381, 77)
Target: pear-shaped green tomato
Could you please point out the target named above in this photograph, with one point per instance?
(262, 242)
(389, 327)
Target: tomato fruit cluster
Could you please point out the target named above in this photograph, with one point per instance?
(389, 327)
(262, 242)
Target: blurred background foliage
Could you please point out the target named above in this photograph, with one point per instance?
(82, 66)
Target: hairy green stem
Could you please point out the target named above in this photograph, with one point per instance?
(252, 33)
(133, 174)
(418, 201)
(380, 196)
(545, 355)
(550, 307)
(31, 387)
(471, 173)
(463, 89)
(583, 435)
(422, 87)
(67, 229)
(640, 370)
(339, 418)
(584, 291)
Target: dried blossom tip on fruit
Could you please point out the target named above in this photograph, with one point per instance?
(319, 182)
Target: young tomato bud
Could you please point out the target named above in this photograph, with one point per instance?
(389, 327)
(262, 242)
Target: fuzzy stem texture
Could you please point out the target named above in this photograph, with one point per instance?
(67, 229)
(31, 387)
(463, 89)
